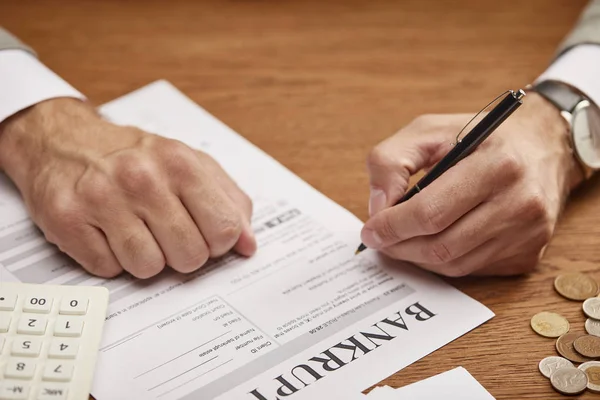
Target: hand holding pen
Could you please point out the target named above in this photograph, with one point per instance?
(491, 213)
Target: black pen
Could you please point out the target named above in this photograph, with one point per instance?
(464, 147)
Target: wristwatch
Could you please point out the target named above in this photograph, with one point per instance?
(583, 118)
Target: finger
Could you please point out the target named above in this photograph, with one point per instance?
(505, 255)
(246, 244)
(391, 163)
(133, 245)
(176, 232)
(459, 190)
(219, 220)
(478, 226)
(470, 262)
(90, 249)
(515, 265)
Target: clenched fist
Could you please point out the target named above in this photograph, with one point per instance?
(492, 213)
(117, 198)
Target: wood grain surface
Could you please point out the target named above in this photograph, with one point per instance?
(316, 84)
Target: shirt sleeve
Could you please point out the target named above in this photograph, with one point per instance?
(25, 81)
(580, 68)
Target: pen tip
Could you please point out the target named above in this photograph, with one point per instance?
(360, 249)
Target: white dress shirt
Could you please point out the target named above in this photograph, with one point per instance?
(580, 68)
(25, 81)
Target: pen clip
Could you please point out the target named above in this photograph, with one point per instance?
(517, 96)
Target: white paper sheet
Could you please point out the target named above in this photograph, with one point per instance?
(303, 317)
(456, 384)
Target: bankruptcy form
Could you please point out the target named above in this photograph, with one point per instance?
(304, 318)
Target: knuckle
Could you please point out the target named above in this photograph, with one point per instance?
(510, 166)
(225, 237)
(386, 229)
(137, 174)
(62, 212)
(231, 230)
(534, 207)
(178, 158)
(422, 120)
(133, 246)
(430, 216)
(379, 156)
(143, 263)
(95, 190)
(438, 253)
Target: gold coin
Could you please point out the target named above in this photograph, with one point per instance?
(592, 370)
(549, 324)
(564, 347)
(587, 345)
(576, 286)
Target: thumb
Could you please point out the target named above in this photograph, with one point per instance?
(391, 163)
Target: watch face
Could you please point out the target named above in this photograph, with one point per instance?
(586, 134)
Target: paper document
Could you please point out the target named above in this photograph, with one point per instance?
(301, 318)
(456, 384)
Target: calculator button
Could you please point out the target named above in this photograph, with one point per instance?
(13, 390)
(58, 371)
(26, 347)
(19, 368)
(68, 326)
(4, 321)
(8, 301)
(37, 304)
(1, 343)
(73, 305)
(52, 391)
(32, 325)
(63, 348)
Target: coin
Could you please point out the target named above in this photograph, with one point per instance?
(587, 345)
(564, 346)
(550, 364)
(591, 307)
(576, 286)
(592, 370)
(592, 327)
(569, 380)
(549, 324)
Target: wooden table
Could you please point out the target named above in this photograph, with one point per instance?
(316, 84)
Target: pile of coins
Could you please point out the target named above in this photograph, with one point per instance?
(574, 347)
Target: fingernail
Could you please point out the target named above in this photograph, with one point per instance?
(371, 239)
(377, 201)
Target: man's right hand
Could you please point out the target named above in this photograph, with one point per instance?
(117, 198)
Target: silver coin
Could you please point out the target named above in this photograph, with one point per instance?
(569, 380)
(592, 327)
(550, 364)
(591, 307)
(592, 370)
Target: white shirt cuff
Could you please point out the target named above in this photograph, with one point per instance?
(578, 67)
(25, 81)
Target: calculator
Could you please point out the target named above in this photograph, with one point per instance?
(49, 340)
